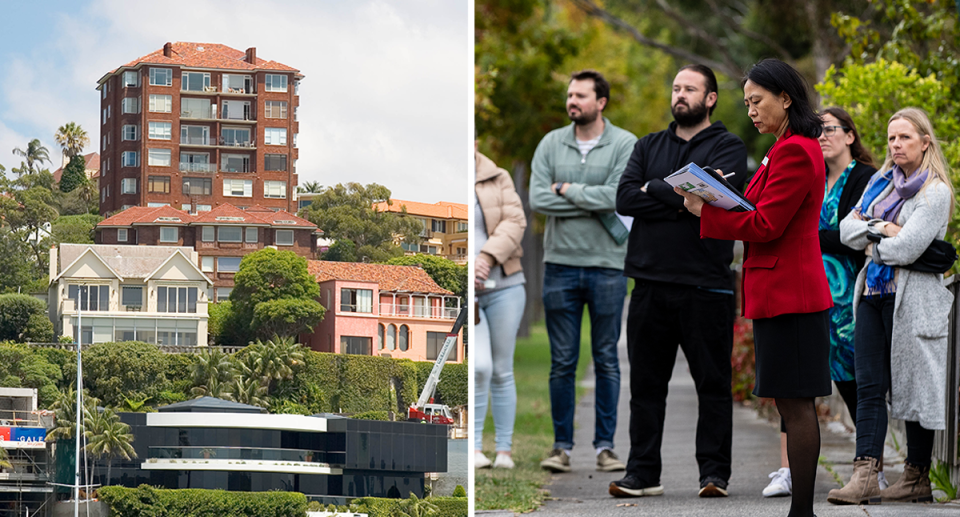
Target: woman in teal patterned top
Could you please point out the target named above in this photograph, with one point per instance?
(849, 168)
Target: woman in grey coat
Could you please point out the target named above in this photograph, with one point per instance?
(902, 315)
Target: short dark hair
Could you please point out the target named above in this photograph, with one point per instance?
(857, 149)
(778, 77)
(709, 79)
(600, 85)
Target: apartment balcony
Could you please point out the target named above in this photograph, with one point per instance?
(248, 144)
(240, 169)
(211, 116)
(198, 167)
(406, 311)
(207, 90)
(196, 141)
(459, 258)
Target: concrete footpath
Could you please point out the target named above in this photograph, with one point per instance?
(756, 453)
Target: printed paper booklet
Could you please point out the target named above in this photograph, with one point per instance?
(710, 186)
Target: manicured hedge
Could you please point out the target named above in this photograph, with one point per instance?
(454, 380)
(147, 501)
(448, 506)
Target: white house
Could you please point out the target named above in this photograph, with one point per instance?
(155, 294)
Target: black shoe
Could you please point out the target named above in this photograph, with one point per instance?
(630, 486)
(713, 486)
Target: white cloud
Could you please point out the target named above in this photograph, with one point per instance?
(385, 98)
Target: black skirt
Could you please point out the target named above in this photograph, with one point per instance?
(793, 355)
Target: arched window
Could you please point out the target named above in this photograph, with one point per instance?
(380, 337)
(404, 338)
(392, 337)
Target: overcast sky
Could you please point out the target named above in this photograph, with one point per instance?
(385, 98)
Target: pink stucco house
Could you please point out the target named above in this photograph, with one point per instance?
(376, 309)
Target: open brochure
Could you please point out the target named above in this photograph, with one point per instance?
(711, 187)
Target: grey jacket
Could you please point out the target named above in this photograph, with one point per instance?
(918, 354)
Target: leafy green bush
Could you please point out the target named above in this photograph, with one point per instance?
(22, 367)
(130, 369)
(450, 506)
(446, 506)
(459, 491)
(24, 318)
(452, 389)
(146, 501)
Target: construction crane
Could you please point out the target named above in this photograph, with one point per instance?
(425, 410)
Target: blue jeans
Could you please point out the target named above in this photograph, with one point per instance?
(566, 290)
(873, 336)
(492, 345)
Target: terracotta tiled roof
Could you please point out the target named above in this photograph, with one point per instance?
(440, 210)
(222, 214)
(389, 278)
(205, 55)
(92, 164)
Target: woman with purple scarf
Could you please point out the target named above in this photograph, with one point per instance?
(902, 314)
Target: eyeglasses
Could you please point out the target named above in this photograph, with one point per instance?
(832, 130)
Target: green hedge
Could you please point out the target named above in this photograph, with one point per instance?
(355, 384)
(448, 506)
(454, 380)
(146, 501)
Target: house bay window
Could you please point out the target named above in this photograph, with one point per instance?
(177, 299)
(356, 300)
(90, 297)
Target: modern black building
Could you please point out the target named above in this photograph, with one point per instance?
(215, 444)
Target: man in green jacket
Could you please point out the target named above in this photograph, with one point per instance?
(575, 173)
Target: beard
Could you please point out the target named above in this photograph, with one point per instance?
(692, 116)
(584, 117)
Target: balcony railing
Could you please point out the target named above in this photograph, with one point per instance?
(247, 168)
(200, 114)
(246, 453)
(237, 143)
(437, 313)
(198, 167)
(194, 140)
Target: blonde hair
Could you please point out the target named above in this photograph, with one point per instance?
(933, 159)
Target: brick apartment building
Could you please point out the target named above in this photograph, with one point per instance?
(221, 237)
(445, 228)
(196, 125)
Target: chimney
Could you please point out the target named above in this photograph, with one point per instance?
(251, 56)
(168, 49)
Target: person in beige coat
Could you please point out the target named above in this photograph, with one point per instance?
(499, 222)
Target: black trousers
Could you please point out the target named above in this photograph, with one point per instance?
(663, 316)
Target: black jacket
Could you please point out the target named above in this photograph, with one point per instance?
(665, 243)
(852, 190)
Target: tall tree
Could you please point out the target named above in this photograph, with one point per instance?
(310, 187)
(72, 139)
(212, 374)
(108, 437)
(346, 212)
(74, 174)
(29, 213)
(35, 154)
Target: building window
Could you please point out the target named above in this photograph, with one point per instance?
(229, 234)
(195, 108)
(234, 83)
(435, 345)
(177, 299)
(284, 238)
(131, 105)
(275, 136)
(197, 186)
(275, 109)
(196, 162)
(128, 186)
(462, 226)
(90, 297)
(206, 264)
(158, 157)
(380, 334)
(228, 264)
(161, 76)
(129, 132)
(160, 130)
(275, 189)
(169, 234)
(391, 337)
(195, 82)
(236, 137)
(130, 159)
(275, 83)
(439, 226)
(223, 293)
(195, 135)
(122, 235)
(356, 300)
(204, 208)
(158, 184)
(355, 345)
(235, 163)
(104, 121)
(206, 235)
(274, 162)
(161, 103)
(131, 79)
(238, 188)
(132, 295)
(236, 110)
(103, 91)
(157, 205)
(403, 338)
(252, 235)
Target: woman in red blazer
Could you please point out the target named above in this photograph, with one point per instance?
(785, 289)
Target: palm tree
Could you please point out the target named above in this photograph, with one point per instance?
(35, 153)
(275, 360)
(247, 388)
(416, 507)
(72, 139)
(212, 374)
(310, 187)
(108, 437)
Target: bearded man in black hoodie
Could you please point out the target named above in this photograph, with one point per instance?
(684, 289)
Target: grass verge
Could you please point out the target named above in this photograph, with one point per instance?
(520, 489)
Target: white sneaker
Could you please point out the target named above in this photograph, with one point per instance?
(480, 461)
(882, 480)
(503, 461)
(780, 485)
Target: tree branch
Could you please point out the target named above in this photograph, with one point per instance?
(766, 40)
(698, 32)
(596, 11)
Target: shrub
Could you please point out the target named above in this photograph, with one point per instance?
(22, 367)
(131, 369)
(146, 501)
(24, 318)
(459, 491)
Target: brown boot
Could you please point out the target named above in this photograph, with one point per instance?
(912, 487)
(862, 488)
